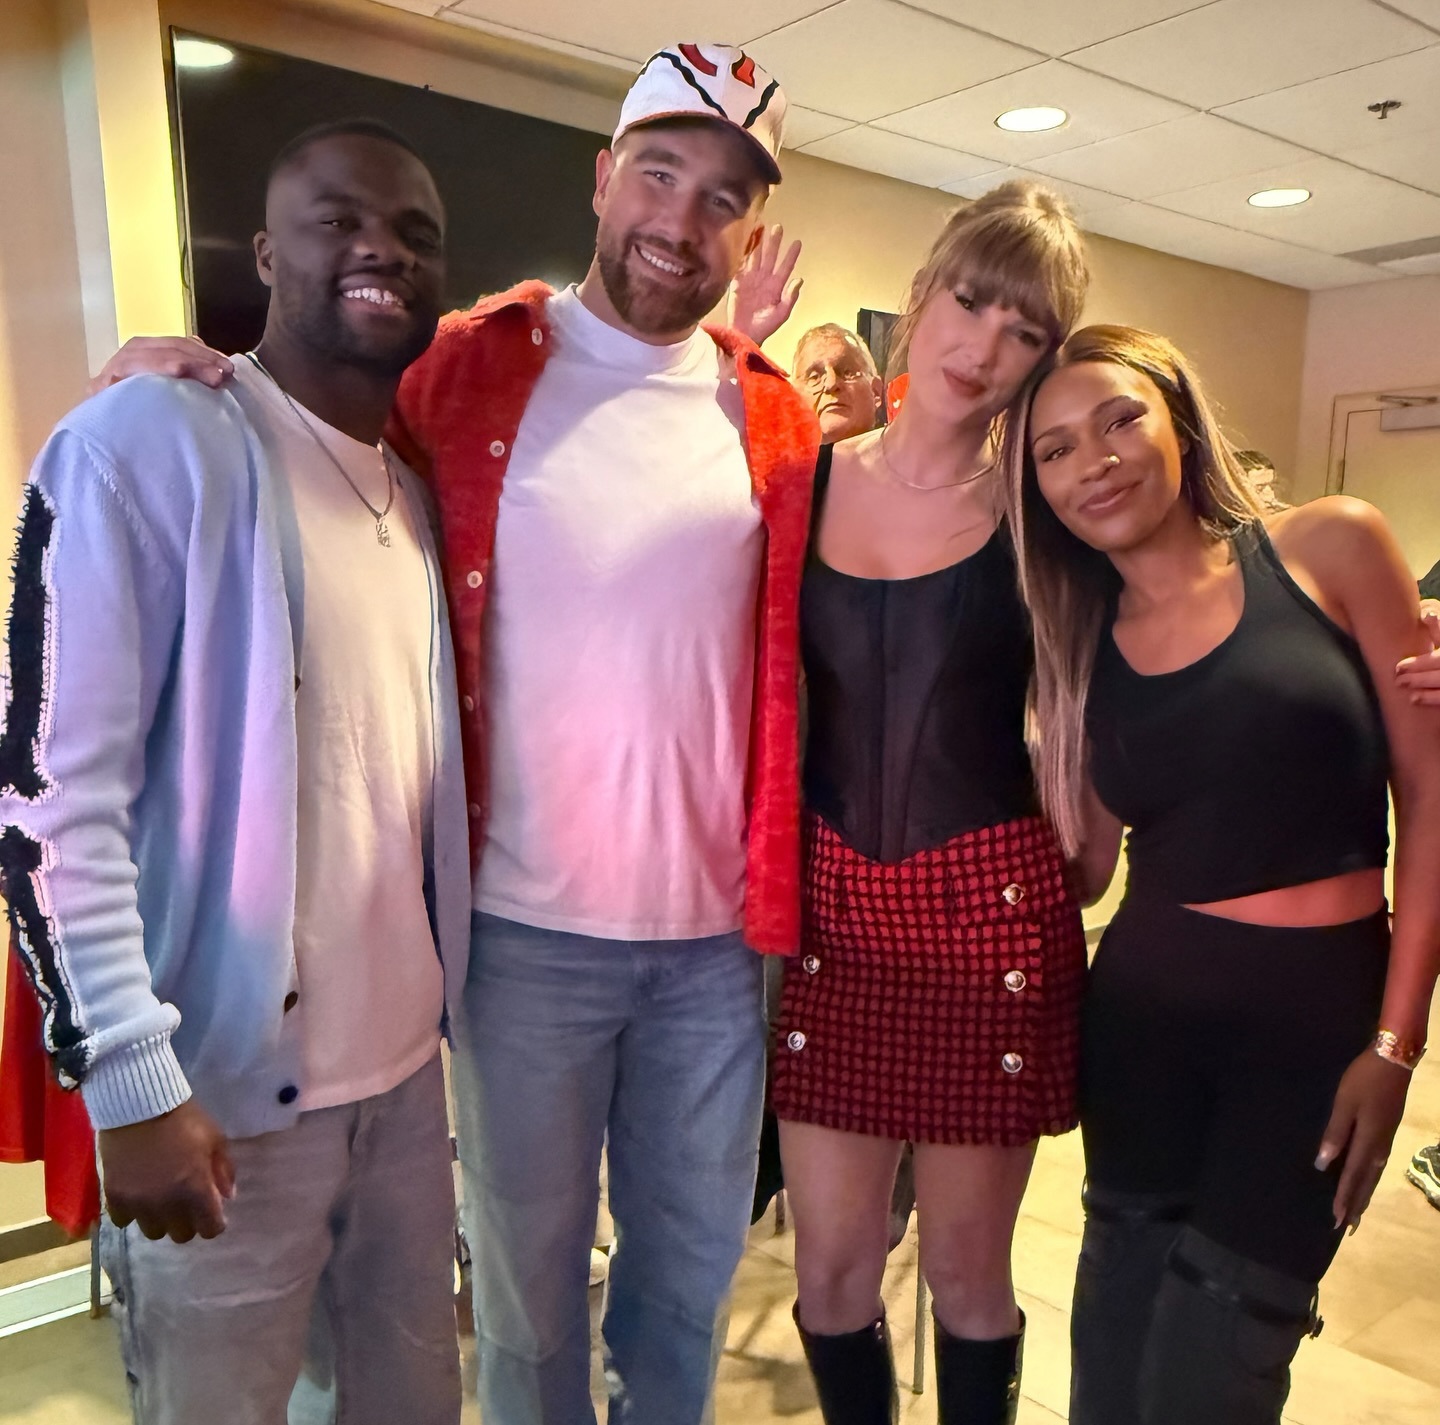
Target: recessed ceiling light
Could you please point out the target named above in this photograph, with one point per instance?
(1279, 197)
(1031, 121)
(201, 54)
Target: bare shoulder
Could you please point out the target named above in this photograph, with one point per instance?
(1333, 531)
(1344, 553)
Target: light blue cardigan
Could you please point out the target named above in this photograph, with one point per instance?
(148, 765)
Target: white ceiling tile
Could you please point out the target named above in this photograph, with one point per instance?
(1349, 209)
(1300, 267)
(1056, 27)
(1235, 48)
(1098, 108)
(623, 62)
(1418, 266)
(1330, 114)
(864, 58)
(417, 7)
(881, 152)
(1426, 11)
(1184, 236)
(637, 30)
(1143, 163)
(1413, 159)
(804, 126)
(1083, 201)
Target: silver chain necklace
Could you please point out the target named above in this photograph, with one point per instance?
(899, 479)
(382, 530)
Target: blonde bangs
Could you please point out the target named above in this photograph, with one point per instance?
(1017, 247)
(1005, 264)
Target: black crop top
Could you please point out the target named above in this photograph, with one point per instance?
(916, 699)
(1262, 764)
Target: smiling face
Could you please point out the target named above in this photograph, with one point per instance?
(1108, 459)
(967, 359)
(353, 253)
(840, 384)
(678, 205)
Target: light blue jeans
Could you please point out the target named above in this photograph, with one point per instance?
(661, 1046)
(350, 1215)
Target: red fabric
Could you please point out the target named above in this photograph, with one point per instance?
(39, 1119)
(895, 395)
(898, 1020)
(457, 415)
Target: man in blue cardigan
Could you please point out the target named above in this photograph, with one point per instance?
(234, 832)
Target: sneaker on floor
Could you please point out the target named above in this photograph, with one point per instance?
(1424, 1172)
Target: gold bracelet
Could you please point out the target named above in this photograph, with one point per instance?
(1404, 1052)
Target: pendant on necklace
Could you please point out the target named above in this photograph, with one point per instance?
(382, 534)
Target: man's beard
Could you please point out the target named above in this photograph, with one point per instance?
(654, 309)
(316, 319)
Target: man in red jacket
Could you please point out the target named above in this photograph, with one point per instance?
(624, 498)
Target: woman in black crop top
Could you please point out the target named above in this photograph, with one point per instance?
(1222, 684)
(936, 997)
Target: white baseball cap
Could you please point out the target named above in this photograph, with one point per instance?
(705, 81)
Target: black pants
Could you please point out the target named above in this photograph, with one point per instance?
(1211, 1053)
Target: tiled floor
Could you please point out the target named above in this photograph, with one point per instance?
(1377, 1363)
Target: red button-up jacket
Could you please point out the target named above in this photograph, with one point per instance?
(457, 415)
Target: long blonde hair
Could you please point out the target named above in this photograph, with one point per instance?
(1067, 584)
(1017, 246)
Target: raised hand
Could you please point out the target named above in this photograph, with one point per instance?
(764, 292)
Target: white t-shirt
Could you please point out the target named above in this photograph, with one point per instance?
(371, 983)
(621, 643)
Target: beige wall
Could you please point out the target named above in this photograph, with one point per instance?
(1381, 337)
(42, 337)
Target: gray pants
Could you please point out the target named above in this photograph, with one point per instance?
(350, 1214)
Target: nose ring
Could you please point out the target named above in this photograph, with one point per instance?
(1112, 459)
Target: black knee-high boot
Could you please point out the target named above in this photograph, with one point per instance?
(854, 1374)
(978, 1382)
(1122, 1262)
(1225, 1330)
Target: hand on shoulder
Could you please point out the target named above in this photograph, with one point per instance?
(184, 357)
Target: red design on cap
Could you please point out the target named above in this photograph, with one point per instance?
(744, 70)
(694, 57)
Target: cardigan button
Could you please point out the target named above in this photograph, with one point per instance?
(811, 964)
(468, 703)
(795, 1040)
(474, 808)
(474, 578)
(1012, 1063)
(497, 448)
(1013, 894)
(1015, 981)
(536, 335)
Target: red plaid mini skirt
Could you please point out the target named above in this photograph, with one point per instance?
(935, 999)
